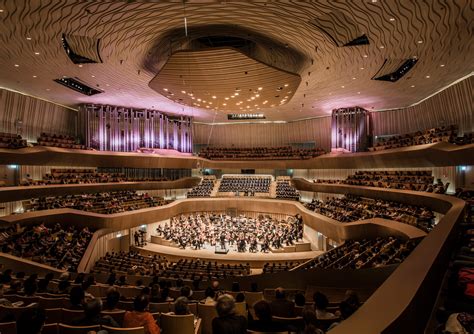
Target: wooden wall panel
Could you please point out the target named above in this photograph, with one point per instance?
(316, 130)
(36, 116)
(453, 105)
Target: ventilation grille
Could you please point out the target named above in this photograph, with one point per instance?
(393, 70)
(78, 86)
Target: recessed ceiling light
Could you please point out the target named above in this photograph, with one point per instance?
(213, 96)
(93, 76)
(28, 38)
(1, 10)
(427, 77)
(420, 41)
(286, 85)
(224, 104)
(236, 94)
(16, 65)
(361, 68)
(382, 47)
(107, 85)
(365, 56)
(358, 92)
(374, 1)
(48, 89)
(353, 78)
(80, 65)
(37, 53)
(260, 88)
(392, 19)
(442, 65)
(343, 86)
(165, 89)
(34, 76)
(183, 91)
(412, 86)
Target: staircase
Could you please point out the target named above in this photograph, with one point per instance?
(216, 188)
(273, 187)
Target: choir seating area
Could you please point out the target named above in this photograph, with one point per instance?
(285, 190)
(259, 153)
(11, 140)
(360, 254)
(353, 208)
(105, 202)
(403, 179)
(203, 189)
(57, 140)
(248, 185)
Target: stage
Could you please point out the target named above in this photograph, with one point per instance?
(256, 260)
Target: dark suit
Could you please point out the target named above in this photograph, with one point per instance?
(282, 308)
(232, 324)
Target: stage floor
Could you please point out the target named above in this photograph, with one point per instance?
(255, 259)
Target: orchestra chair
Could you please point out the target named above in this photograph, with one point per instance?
(207, 313)
(8, 327)
(172, 323)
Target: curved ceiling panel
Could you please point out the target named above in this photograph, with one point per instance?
(223, 79)
(437, 32)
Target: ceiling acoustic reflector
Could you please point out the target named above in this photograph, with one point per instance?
(393, 70)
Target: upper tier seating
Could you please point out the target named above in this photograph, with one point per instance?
(353, 208)
(105, 203)
(407, 180)
(55, 245)
(429, 136)
(361, 254)
(11, 140)
(259, 153)
(270, 268)
(284, 190)
(203, 189)
(246, 184)
(80, 176)
(63, 141)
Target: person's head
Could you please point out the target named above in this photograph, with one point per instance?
(280, 293)
(186, 291)
(140, 303)
(209, 292)
(215, 285)
(79, 278)
(352, 298)
(112, 298)
(155, 290)
(31, 321)
(240, 298)
(30, 287)
(310, 321)
(346, 309)
(225, 305)
(43, 285)
(63, 286)
(300, 300)
(262, 310)
(254, 287)
(235, 287)
(320, 301)
(179, 283)
(15, 285)
(181, 306)
(93, 308)
(76, 295)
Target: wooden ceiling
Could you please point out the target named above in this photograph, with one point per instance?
(437, 32)
(224, 80)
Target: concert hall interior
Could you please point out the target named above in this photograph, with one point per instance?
(224, 167)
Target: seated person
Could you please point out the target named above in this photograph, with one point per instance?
(92, 315)
(181, 306)
(282, 307)
(228, 321)
(321, 302)
(140, 316)
(264, 322)
(111, 300)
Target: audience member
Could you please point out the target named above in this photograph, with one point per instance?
(282, 307)
(140, 316)
(228, 321)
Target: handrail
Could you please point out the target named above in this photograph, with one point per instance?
(427, 155)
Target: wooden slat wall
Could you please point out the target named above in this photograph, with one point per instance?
(37, 116)
(454, 105)
(265, 134)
